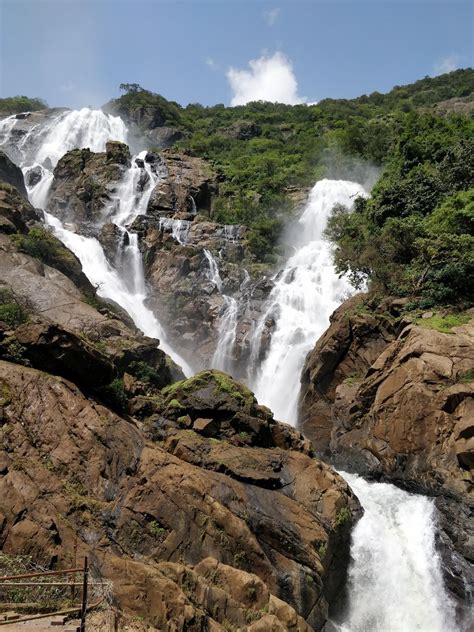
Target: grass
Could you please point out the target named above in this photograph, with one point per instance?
(443, 324)
(468, 376)
(353, 378)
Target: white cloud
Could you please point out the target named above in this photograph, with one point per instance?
(447, 64)
(270, 78)
(271, 16)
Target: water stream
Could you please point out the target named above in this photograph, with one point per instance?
(395, 580)
(305, 294)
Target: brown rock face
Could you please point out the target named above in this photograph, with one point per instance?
(82, 184)
(413, 412)
(11, 174)
(391, 398)
(187, 185)
(152, 514)
(345, 351)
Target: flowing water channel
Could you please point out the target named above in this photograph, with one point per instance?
(395, 581)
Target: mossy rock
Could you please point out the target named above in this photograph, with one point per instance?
(214, 392)
(43, 245)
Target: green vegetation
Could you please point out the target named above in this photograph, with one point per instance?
(114, 393)
(264, 152)
(414, 237)
(42, 244)
(444, 324)
(13, 309)
(343, 515)
(466, 377)
(14, 105)
(146, 373)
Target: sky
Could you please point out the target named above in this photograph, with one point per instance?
(77, 52)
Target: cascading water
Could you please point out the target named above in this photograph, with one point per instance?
(129, 288)
(214, 276)
(41, 147)
(179, 228)
(44, 144)
(227, 325)
(227, 322)
(395, 580)
(306, 292)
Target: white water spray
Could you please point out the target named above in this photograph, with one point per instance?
(129, 289)
(42, 147)
(227, 326)
(395, 578)
(44, 144)
(179, 228)
(306, 293)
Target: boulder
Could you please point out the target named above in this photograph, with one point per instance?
(11, 174)
(355, 338)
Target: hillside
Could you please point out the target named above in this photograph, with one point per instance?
(265, 152)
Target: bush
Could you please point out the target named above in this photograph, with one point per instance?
(13, 309)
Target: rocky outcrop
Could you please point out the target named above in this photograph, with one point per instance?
(83, 182)
(163, 137)
(201, 509)
(151, 512)
(391, 395)
(340, 359)
(16, 213)
(186, 186)
(11, 174)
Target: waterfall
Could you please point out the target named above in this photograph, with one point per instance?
(45, 143)
(42, 147)
(305, 294)
(214, 276)
(227, 326)
(129, 290)
(395, 580)
(179, 228)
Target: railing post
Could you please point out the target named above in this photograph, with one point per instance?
(84, 597)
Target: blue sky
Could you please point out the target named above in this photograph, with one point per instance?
(77, 52)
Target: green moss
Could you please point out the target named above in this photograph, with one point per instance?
(468, 376)
(353, 378)
(343, 515)
(443, 324)
(322, 550)
(156, 529)
(222, 382)
(174, 403)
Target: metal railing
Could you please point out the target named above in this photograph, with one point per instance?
(60, 589)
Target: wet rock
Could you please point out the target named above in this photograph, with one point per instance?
(188, 184)
(15, 210)
(11, 174)
(117, 153)
(112, 239)
(82, 184)
(33, 176)
(164, 137)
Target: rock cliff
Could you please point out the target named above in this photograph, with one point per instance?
(390, 394)
(203, 511)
